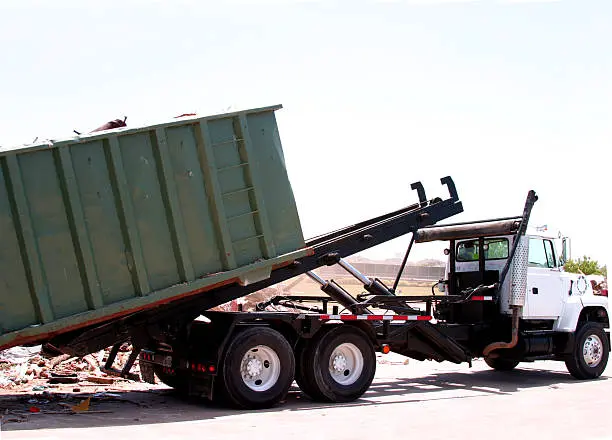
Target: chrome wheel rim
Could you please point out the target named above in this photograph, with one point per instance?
(592, 351)
(260, 368)
(346, 364)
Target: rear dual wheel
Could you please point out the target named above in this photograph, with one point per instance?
(257, 369)
(178, 381)
(338, 365)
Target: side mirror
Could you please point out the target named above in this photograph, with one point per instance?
(566, 252)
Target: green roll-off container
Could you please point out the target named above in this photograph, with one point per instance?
(106, 224)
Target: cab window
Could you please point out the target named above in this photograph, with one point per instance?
(495, 249)
(550, 253)
(541, 253)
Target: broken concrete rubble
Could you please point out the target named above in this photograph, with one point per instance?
(21, 368)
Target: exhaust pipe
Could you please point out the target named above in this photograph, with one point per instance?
(517, 263)
(518, 289)
(515, 332)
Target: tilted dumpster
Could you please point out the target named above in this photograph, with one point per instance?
(113, 222)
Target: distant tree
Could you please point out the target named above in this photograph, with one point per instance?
(586, 266)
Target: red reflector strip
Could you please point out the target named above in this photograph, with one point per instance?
(371, 317)
(351, 318)
(482, 298)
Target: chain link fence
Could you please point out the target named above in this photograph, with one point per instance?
(382, 270)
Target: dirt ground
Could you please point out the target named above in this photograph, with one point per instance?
(305, 286)
(424, 399)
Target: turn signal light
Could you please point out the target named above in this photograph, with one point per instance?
(385, 349)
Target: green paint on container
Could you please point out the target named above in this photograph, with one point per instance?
(102, 224)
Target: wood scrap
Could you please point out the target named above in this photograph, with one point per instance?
(92, 361)
(59, 359)
(101, 380)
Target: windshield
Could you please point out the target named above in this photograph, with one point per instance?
(495, 249)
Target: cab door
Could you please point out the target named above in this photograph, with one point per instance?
(544, 286)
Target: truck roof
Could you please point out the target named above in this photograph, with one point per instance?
(542, 232)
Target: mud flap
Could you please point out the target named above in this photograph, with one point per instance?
(146, 372)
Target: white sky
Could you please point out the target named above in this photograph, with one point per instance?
(504, 96)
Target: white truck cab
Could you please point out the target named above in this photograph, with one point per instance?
(550, 313)
(552, 294)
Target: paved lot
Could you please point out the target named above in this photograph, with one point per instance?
(419, 400)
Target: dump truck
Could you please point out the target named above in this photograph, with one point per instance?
(136, 234)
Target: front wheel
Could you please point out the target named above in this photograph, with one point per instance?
(338, 365)
(590, 354)
(257, 369)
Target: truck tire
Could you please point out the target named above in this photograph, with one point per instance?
(306, 382)
(178, 382)
(257, 369)
(590, 354)
(338, 365)
(501, 364)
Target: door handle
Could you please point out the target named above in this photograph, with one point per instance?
(535, 290)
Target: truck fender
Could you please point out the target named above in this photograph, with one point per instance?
(594, 314)
(576, 314)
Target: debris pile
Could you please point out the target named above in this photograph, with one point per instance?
(26, 367)
(35, 382)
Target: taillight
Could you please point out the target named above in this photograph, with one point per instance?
(202, 368)
(604, 292)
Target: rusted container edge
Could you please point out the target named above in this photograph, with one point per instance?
(88, 137)
(41, 333)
